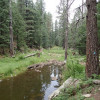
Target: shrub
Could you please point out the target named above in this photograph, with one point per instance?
(74, 69)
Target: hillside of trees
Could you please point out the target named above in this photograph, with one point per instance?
(32, 26)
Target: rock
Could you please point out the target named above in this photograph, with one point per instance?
(65, 61)
(50, 66)
(56, 86)
(87, 95)
(69, 82)
(0, 80)
(96, 81)
(37, 70)
(60, 75)
(99, 89)
(53, 78)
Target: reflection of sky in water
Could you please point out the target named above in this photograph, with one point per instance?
(51, 87)
(30, 85)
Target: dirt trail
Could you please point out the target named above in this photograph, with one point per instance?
(96, 93)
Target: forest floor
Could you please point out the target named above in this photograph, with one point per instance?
(86, 91)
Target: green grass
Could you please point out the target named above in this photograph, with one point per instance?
(13, 66)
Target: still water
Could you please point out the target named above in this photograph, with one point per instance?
(31, 85)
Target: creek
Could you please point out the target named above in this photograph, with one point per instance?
(36, 84)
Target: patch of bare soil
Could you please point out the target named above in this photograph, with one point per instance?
(96, 93)
(1, 57)
(88, 91)
(92, 93)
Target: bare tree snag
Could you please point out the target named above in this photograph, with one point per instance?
(66, 34)
(11, 30)
(68, 5)
(92, 63)
(82, 7)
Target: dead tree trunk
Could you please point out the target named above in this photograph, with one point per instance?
(66, 34)
(11, 30)
(92, 64)
(68, 5)
(82, 7)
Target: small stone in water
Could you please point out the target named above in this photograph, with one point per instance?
(0, 80)
(37, 70)
(54, 78)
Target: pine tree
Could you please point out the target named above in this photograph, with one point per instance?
(98, 17)
(4, 25)
(18, 28)
(92, 64)
(11, 29)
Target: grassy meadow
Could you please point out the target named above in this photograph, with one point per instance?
(13, 66)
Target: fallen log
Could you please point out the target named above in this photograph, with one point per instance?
(30, 55)
(68, 83)
(41, 65)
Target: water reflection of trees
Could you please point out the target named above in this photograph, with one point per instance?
(28, 86)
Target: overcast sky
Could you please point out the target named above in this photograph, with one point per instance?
(51, 6)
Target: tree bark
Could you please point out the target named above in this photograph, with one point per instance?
(11, 30)
(92, 63)
(66, 34)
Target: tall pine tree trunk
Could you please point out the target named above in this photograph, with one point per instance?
(11, 30)
(92, 64)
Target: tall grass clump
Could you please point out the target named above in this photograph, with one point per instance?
(75, 70)
(21, 57)
(9, 71)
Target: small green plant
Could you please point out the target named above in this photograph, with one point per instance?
(96, 76)
(21, 57)
(8, 72)
(80, 97)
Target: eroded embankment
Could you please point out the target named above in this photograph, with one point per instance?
(51, 62)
